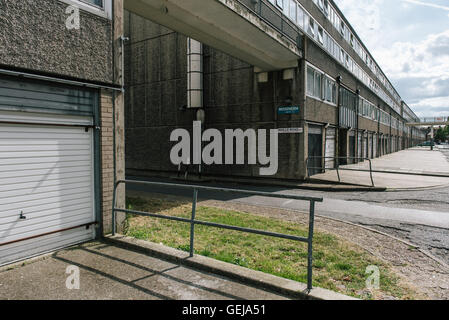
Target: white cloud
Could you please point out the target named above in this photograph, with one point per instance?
(417, 67)
(427, 4)
(420, 71)
(431, 107)
(427, 58)
(366, 13)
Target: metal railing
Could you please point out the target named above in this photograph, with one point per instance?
(274, 17)
(193, 221)
(338, 166)
(434, 119)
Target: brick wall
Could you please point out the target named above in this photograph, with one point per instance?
(113, 102)
(107, 158)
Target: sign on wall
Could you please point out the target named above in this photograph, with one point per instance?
(288, 110)
(291, 130)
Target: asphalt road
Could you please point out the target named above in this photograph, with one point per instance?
(420, 217)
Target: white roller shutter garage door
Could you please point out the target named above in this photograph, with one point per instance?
(47, 177)
(46, 185)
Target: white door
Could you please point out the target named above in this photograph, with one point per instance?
(330, 148)
(46, 184)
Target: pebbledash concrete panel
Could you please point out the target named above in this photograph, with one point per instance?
(84, 54)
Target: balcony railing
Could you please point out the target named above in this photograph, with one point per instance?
(275, 18)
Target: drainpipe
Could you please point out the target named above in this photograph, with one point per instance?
(357, 108)
(378, 148)
(389, 138)
(338, 138)
(303, 110)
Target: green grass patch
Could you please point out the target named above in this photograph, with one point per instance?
(338, 264)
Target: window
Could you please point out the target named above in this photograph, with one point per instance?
(320, 35)
(327, 43)
(292, 13)
(311, 28)
(280, 3)
(286, 8)
(336, 49)
(342, 56)
(102, 8)
(349, 63)
(300, 18)
(330, 90)
(348, 99)
(310, 81)
(317, 86)
(98, 3)
(314, 83)
(337, 21)
(321, 86)
(326, 8)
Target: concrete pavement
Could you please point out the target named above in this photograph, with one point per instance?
(412, 169)
(124, 268)
(109, 272)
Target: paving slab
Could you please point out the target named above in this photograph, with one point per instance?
(410, 169)
(109, 272)
(415, 160)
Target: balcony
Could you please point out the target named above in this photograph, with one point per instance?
(253, 31)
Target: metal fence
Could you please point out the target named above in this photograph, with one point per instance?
(338, 166)
(434, 119)
(275, 18)
(193, 221)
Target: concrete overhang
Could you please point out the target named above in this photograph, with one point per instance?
(225, 25)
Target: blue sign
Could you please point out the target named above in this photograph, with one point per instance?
(288, 110)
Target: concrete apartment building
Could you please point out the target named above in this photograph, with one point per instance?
(59, 85)
(335, 100)
(65, 65)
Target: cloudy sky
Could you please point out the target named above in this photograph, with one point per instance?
(409, 39)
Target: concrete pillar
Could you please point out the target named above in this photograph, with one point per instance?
(119, 75)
